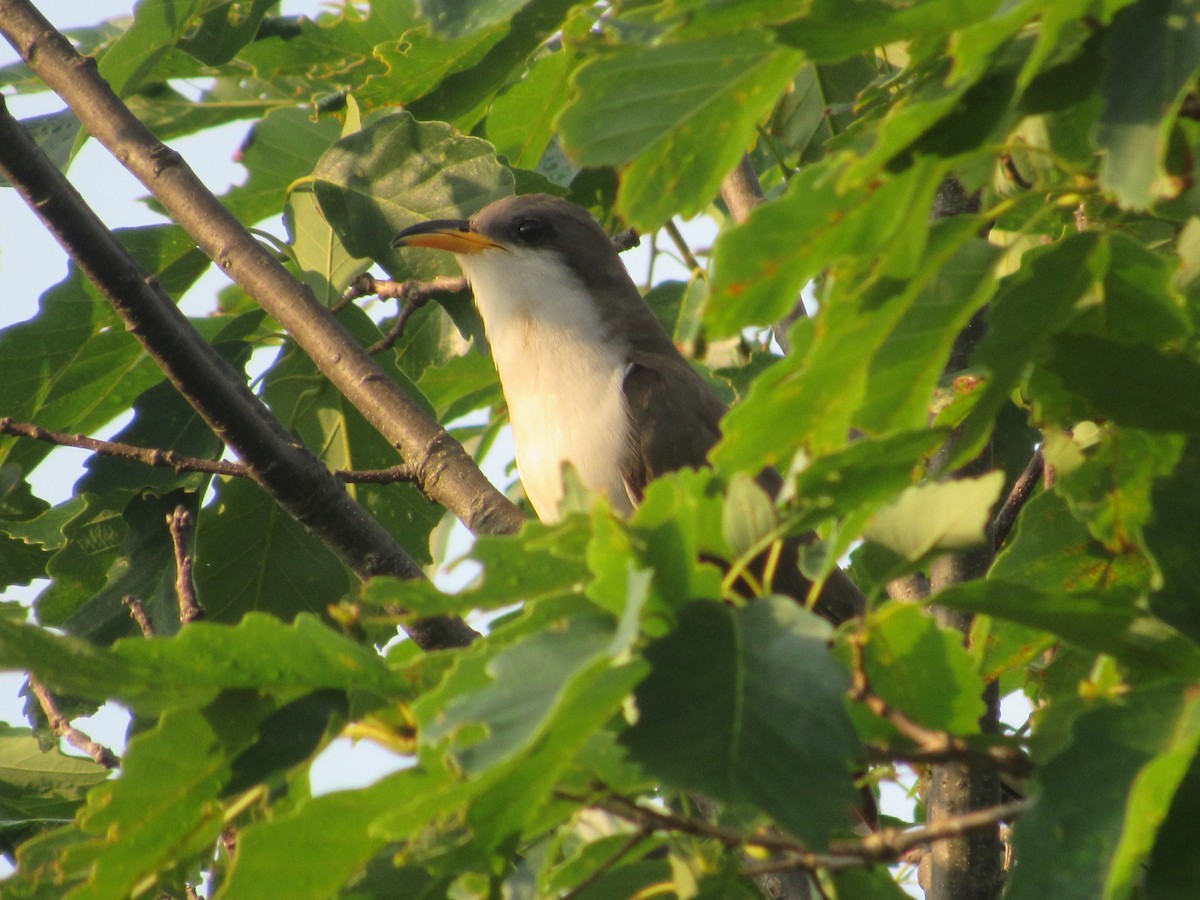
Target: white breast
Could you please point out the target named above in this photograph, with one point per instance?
(562, 384)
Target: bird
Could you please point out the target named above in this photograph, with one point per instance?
(590, 376)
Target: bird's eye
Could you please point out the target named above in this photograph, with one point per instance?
(532, 231)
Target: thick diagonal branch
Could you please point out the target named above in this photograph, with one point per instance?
(444, 470)
(297, 480)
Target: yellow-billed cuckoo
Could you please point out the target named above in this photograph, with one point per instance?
(590, 376)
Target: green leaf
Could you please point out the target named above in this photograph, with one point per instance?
(1102, 800)
(832, 30)
(158, 25)
(458, 18)
(1174, 866)
(162, 812)
(746, 706)
(520, 122)
(907, 368)
(251, 556)
(1029, 306)
(463, 96)
(325, 264)
(398, 172)
(190, 669)
(224, 30)
(921, 668)
(654, 108)
(1171, 536)
(1101, 621)
(949, 515)
(749, 515)
(314, 850)
(38, 790)
(1116, 378)
(526, 680)
(1153, 51)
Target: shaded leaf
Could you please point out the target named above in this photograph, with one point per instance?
(774, 730)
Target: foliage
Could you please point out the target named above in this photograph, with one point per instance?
(620, 663)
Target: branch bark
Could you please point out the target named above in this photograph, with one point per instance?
(967, 866)
(293, 476)
(442, 467)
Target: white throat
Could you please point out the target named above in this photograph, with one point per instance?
(562, 380)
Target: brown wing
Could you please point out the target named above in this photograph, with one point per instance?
(674, 420)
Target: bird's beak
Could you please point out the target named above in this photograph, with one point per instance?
(454, 235)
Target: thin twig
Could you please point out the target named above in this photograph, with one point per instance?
(932, 745)
(626, 240)
(886, 845)
(180, 522)
(1014, 173)
(891, 844)
(137, 612)
(63, 728)
(685, 251)
(601, 870)
(169, 459)
(1021, 491)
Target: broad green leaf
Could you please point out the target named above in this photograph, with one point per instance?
(158, 25)
(526, 680)
(162, 812)
(832, 30)
(655, 108)
(863, 475)
(948, 515)
(746, 706)
(520, 122)
(1116, 378)
(325, 264)
(463, 96)
(1101, 621)
(224, 30)
(397, 172)
(921, 668)
(282, 147)
(809, 400)
(251, 556)
(749, 515)
(1101, 800)
(1053, 551)
(418, 62)
(1171, 537)
(1153, 52)
(1030, 306)
(1174, 866)
(192, 668)
(1111, 490)
(142, 566)
(907, 368)
(38, 790)
(457, 18)
(314, 850)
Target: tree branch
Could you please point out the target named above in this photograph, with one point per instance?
(1021, 491)
(169, 459)
(933, 746)
(62, 727)
(180, 524)
(297, 480)
(741, 192)
(883, 846)
(442, 467)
